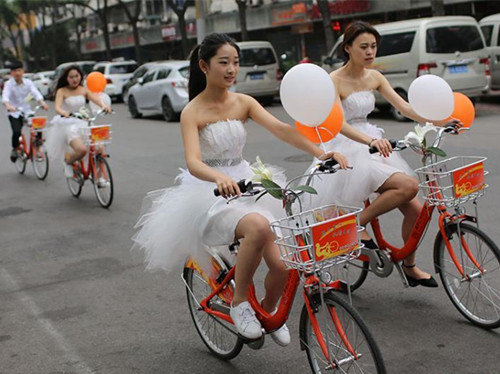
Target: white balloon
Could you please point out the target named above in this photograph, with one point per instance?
(431, 97)
(106, 100)
(307, 94)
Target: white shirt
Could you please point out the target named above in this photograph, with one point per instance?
(15, 94)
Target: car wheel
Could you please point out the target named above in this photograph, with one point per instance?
(167, 110)
(396, 114)
(132, 108)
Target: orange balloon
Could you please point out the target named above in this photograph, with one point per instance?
(96, 82)
(464, 109)
(328, 129)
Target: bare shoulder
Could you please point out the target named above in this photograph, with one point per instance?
(188, 114)
(377, 77)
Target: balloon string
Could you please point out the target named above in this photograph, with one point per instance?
(320, 139)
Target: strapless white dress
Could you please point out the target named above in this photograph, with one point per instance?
(63, 130)
(369, 172)
(187, 218)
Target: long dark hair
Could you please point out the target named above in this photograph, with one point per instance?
(63, 79)
(355, 29)
(205, 51)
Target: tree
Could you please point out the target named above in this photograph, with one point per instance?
(133, 19)
(437, 7)
(324, 9)
(8, 23)
(179, 8)
(242, 10)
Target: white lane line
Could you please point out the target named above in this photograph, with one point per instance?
(73, 358)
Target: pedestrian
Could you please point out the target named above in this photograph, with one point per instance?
(188, 216)
(15, 96)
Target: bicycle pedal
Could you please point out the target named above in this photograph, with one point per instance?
(254, 344)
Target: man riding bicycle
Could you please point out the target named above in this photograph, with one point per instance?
(14, 95)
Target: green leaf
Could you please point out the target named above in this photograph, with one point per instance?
(437, 151)
(307, 189)
(273, 189)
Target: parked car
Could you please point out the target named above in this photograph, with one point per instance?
(138, 73)
(162, 90)
(490, 26)
(42, 81)
(86, 67)
(260, 73)
(451, 47)
(117, 73)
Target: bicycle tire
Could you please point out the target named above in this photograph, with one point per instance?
(21, 160)
(226, 346)
(75, 185)
(103, 193)
(357, 333)
(467, 293)
(40, 162)
(357, 274)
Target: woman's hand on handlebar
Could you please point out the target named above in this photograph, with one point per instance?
(107, 109)
(341, 160)
(383, 146)
(227, 187)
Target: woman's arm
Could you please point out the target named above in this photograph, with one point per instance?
(97, 100)
(190, 136)
(288, 133)
(58, 103)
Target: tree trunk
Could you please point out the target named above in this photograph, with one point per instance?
(133, 19)
(104, 21)
(181, 12)
(324, 9)
(53, 55)
(437, 7)
(242, 11)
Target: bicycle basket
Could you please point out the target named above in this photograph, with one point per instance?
(97, 135)
(38, 123)
(453, 181)
(318, 238)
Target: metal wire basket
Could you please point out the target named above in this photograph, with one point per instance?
(318, 238)
(98, 135)
(453, 181)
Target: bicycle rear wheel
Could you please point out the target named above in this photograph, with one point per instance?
(40, 162)
(75, 184)
(353, 272)
(341, 327)
(21, 160)
(476, 294)
(218, 335)
(103, 182)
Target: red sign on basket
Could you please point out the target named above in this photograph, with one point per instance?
(99, 133)
(468, 180)
(334, 238)
(38, 123)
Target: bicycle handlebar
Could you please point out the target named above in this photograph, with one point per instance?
(89, 119)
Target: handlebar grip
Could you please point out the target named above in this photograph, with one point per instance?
(242, 184)
(327, 165)
(393, 145)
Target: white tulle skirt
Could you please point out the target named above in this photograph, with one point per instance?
(61, 132)
(368, 173)
(185, 219)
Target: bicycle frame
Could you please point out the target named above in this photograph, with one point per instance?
(90, 169)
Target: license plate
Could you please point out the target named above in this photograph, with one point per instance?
(458, 69)
(257, 76)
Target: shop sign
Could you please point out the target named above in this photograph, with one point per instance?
(168, 32)
(297, 13)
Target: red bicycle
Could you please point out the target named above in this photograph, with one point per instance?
(467, 260)
(96, 137)
(33, 149)
(332, 332)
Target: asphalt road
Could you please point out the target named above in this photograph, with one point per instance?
(75, 299)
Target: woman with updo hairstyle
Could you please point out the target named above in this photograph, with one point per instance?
(185, 219)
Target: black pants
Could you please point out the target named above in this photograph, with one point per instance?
(16, 124)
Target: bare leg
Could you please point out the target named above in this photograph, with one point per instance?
(256, 234)
(79, 151)
(275, 278)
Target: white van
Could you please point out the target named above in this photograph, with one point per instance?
(490, 26)
(451, 47)
(259, 74)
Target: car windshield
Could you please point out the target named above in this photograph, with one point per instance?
(256, 56)
(122, 69)
(184, 71)
(450, 39)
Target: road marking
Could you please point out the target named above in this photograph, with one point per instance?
(73, 358)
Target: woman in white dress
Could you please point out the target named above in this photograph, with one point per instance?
(64, 140)
(386, 173)
(188, 216)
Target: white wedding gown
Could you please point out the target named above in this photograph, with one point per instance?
(369, 172)
(184, 219)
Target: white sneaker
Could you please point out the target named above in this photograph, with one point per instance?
(102, 183)
(281, 336)
(245, 321)
(68, 170)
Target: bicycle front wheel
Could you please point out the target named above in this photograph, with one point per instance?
(103, 182)
(218, 335)
(344, 335)
(40, 162)
(476, 292)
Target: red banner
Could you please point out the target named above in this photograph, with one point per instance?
(468, 180)
(335, 237)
